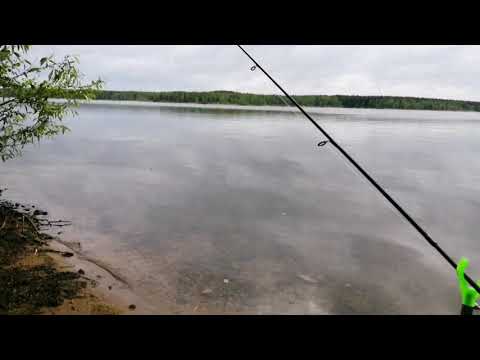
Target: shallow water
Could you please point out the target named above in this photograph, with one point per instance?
(227, 210)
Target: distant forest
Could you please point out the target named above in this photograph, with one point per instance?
(237, 98)
(343, 101)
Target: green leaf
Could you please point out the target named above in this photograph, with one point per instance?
(32, 94)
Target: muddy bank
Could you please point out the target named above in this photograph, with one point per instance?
(35, 277)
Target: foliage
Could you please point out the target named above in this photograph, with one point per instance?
(26, 89)
(346, 101)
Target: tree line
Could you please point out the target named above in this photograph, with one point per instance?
(237, 98)
(344, 101)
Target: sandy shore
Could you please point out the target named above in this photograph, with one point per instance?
(89, 301)
(41, 274)
(106, 292)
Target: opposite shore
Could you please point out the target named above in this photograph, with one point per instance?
(222, 97)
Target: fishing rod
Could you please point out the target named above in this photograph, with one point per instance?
(365, 174)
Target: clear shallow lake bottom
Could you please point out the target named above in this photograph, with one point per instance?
(237, 210)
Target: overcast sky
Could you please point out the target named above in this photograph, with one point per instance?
(450, 72)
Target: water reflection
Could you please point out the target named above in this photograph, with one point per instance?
(213, 211)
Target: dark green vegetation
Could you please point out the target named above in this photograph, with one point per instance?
(345, 101)
(26, 289)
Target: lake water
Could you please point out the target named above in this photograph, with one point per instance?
(207, 209)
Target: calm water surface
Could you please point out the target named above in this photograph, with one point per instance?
(226, 210)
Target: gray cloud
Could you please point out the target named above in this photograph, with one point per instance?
(427, 71)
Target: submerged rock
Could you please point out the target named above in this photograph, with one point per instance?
(81, 272)
(307, 278)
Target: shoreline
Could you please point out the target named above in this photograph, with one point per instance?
(266, 108)
(107, 287)
(41, 275)
(88, 301)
